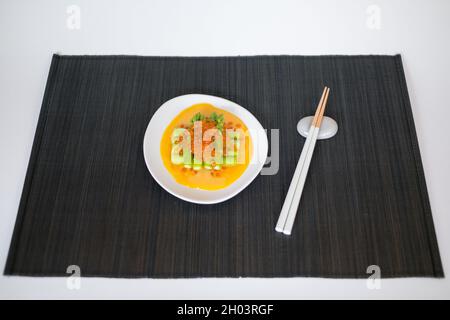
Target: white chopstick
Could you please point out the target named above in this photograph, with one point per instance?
(290, 194)
(291, 202)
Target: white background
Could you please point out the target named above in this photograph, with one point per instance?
(30, 31)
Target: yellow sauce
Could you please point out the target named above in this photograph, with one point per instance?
(203, 178)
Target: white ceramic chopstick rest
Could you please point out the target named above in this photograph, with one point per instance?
(328, 129)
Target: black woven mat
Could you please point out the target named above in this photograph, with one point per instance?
(88, 199)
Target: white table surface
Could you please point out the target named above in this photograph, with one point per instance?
(31, 31)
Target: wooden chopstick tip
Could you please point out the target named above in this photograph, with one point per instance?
(322, 109)
(319, 106)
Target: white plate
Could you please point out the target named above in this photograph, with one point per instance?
(162, 118)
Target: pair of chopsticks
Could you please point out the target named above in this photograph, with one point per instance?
(290, 206)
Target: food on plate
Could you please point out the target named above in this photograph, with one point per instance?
(206, 147)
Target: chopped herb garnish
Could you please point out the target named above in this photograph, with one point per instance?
(197, 117)
(219, 119)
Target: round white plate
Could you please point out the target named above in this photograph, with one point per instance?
(162, 118)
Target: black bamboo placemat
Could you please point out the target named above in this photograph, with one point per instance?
(88, 199)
